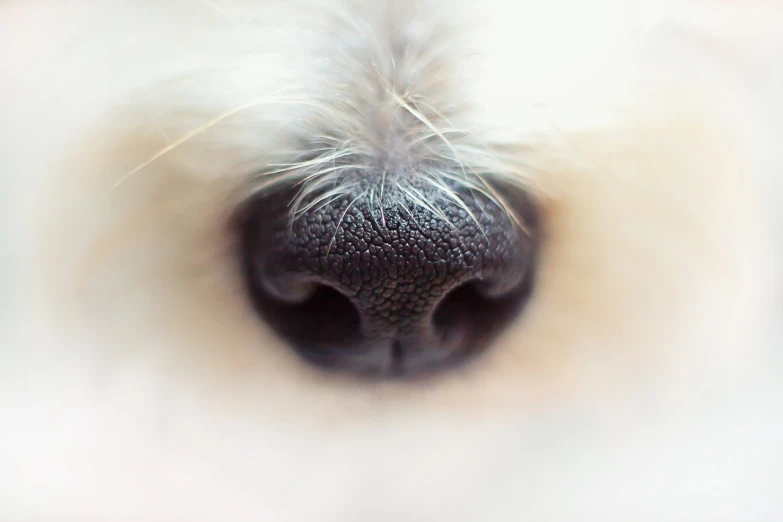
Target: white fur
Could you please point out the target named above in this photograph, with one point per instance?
(642, 383)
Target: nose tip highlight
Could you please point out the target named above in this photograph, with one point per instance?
(392, 287)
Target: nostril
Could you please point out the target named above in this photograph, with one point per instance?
(474, 313)
(324, 320)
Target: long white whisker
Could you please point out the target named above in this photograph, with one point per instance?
(406, 209)
(320, 160)
(380, 200)
(190, 135)
(340, 222)
(332, 196)
(424, 120)
(455, 198)
(416, 197)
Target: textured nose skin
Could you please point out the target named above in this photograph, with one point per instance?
(399, 286)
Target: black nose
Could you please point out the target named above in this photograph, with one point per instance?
(400, 283)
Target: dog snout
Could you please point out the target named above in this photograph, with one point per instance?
(401, 283)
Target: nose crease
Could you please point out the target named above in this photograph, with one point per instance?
(396, 265)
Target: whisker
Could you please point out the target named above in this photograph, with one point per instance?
(340, 222)
(417, 198)
(449, 193)
(190, 135)
(406, 209)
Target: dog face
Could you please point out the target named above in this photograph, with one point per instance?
(237, 232)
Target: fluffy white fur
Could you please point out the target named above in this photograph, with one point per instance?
(642, 383)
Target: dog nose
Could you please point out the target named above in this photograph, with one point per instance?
(396, 284)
